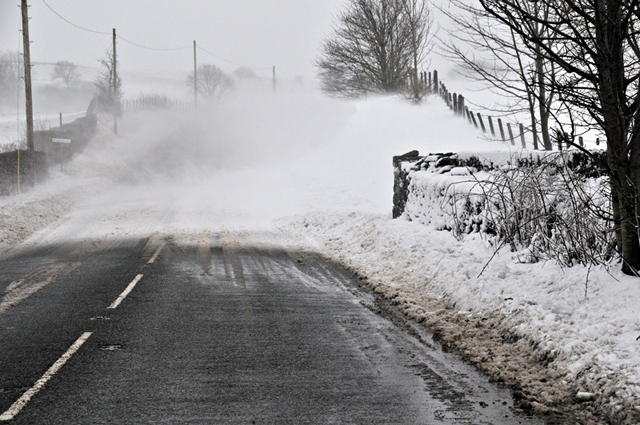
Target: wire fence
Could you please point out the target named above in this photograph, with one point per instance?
(513, 133)
(145, 103)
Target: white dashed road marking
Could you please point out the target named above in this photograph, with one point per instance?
(126, 292)
(155, 255)
(22, 401)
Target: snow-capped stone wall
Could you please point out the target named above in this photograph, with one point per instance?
(439, 189)
(449, 190)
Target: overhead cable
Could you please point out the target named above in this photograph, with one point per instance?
(71, 23)
(110, 33)
(147, 47)
(231, 62)
(152, 48)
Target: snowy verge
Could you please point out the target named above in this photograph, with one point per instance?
(555, 334)
(50, 202)
(23, 215)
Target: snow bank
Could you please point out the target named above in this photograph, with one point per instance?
(555, 333)
(494, 311)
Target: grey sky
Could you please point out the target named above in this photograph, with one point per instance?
(258, 33)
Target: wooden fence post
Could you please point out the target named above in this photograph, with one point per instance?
(524, 145)
(473, 117)
(435, 81)
(461, 107)
(513, 142)
(493, 130)
(455, 103)
(581, 141)
(504, 139)
(484, 129)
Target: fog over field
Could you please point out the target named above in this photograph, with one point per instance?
(252, 158)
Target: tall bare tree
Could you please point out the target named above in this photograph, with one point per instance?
(375, 45)
(492, 53)
(67, 72)
(11, 74)
(106, 97)
(417, 17)
(596, 46)
(213, 82)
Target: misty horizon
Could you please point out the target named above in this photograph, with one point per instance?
(281, 33)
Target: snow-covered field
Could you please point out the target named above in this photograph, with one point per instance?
(300, 169)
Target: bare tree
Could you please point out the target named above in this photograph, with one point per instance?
(106, 97)
(245, 73)
(596, 45)
(492, 53)
(375, 45)
(212, 81)
(11, 74)
(417, 17)
(67, 72)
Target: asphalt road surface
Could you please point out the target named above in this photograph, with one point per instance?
(147, 331)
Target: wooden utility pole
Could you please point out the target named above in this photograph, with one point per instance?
(274, 78)
(114, 89)
(27, 77)
(195, 75)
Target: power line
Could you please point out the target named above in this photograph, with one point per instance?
(42, 63)
(108, 33)
(152, 48)
(231, 62)
(147, 47)
(71, 23)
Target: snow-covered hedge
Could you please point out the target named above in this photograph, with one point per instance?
(547, 206)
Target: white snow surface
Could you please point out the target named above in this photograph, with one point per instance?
(302, 170)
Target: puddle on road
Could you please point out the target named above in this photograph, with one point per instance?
(111, 347)
(100, 318)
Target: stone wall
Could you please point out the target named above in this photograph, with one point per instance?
(463, 169)
(35, 168)
(80, 132)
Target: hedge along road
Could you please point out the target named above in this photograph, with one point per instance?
(146, 331)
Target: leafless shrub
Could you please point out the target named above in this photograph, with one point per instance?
(107, 92)
(545, 211)
(12, 147)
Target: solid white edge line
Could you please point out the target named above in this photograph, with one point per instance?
(124, 293)
(22, 401)
(155, 255)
